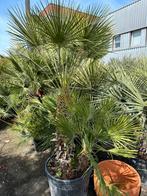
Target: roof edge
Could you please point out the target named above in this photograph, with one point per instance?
(125, 6)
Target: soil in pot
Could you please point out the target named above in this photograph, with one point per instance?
(68, 170)
(68, 187)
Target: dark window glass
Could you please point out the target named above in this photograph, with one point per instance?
(117, 40)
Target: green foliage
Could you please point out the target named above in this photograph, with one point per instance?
(92, 78)
(35, 120)
(105, 127)
(32, 75)
(130, 81)
(89, 32)
(52, 47)
(94, 128)
(4, 86)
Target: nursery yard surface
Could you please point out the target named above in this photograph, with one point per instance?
(22, 168)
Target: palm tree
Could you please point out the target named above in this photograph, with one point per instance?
(62, 48)
(85, 130)
(89, 29)
(68, 38)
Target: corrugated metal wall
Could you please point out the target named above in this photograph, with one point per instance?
(134, 52)
(130, 17)
(126, 20)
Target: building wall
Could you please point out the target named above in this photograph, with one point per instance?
(126, 20)
(134, 52)
(131, 17)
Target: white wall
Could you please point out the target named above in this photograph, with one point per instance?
(130, 18)
(133, 52)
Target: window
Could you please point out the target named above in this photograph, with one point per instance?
(117, 41)
(136, 38)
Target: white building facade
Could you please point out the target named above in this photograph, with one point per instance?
(130, 30)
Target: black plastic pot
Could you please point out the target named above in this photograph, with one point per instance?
(141, 166)
(75, 187)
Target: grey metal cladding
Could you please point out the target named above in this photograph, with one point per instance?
(131, 17)
(131, 52)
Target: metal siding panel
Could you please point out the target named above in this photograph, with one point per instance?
(143, 37)
(131, 17)
(127, 19)
(133, 52)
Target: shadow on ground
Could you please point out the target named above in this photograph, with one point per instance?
(21, 167)
(24, 177)
(20, 176)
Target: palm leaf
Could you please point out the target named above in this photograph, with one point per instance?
(60, 27)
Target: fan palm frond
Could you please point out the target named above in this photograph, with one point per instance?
(106, 128)
(128, 88)
(91, 77)
(60, 27)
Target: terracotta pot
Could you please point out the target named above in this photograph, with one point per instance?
(121, 174)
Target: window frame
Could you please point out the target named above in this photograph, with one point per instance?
(117, 42)
(132, 45)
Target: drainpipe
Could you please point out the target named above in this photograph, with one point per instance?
(27, 6)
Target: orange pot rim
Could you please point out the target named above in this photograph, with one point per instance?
(132, 168)
(102, 167)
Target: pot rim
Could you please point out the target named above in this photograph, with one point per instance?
(132, 168)
(89, 169)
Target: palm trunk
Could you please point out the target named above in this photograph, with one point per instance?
(27, 6)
